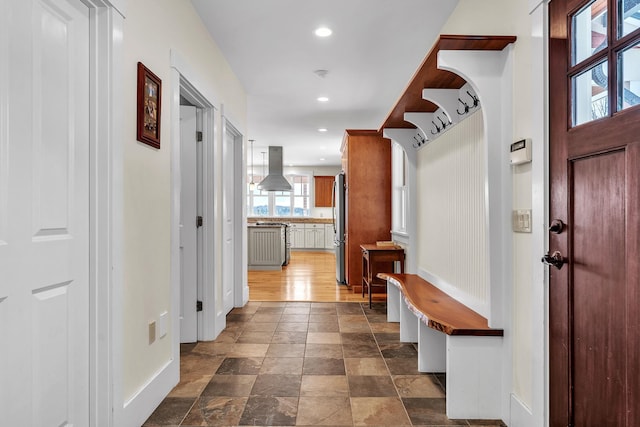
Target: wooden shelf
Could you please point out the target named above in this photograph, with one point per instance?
(429, 76)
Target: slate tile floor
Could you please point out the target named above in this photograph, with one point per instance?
(305, 364)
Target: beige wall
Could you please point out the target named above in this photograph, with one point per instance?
(152, 29)
(473, 17)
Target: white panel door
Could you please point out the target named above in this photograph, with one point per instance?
(44, 213)
(188, 226)
(228, 207)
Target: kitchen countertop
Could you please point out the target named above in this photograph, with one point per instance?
(292, 220)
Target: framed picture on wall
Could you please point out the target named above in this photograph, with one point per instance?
(149, 102)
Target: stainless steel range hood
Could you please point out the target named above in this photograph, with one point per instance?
(275, 181)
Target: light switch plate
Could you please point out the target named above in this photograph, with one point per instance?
(521, 220)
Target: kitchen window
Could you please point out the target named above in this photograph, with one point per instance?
(293, 203)
(399, 185)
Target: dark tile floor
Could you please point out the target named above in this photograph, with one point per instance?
(305, 364)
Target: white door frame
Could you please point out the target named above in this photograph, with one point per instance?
(539, 413)
(105, 211)
(238, 179)
(186, 82)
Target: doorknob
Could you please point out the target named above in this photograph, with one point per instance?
(557, 226)
(555, 259)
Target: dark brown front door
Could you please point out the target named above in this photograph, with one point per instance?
(594, 118)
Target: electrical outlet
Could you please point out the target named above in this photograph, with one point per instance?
(152, 332)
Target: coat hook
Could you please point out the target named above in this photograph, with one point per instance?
(476, 101)
(437, 128)
(466, 108)
(444, 125)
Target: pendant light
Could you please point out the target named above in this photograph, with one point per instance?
(252, 185)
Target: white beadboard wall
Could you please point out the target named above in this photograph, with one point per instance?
(451, 201)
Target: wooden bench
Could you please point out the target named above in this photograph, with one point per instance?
(451, 338)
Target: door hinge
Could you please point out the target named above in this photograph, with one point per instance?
(198, 136)
(198, 306)
(199, 221)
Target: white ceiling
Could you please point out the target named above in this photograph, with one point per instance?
(375, 48)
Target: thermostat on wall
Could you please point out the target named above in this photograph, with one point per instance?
(521, 151)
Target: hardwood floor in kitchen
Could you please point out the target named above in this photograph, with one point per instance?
(310, 276)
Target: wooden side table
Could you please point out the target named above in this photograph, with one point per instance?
(379, 259)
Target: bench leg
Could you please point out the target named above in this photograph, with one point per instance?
(394, 301)
(474, 386)
(432, 350)
(408, 324)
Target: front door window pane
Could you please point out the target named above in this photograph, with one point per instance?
(590, 95)
(589, 30)
(629, 77)
(628, 16)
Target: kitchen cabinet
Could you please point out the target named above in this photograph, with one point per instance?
(366, 161)
(323, 187)
(297, 236)
(310, 236)
(329, 236)
(314, 236)
(266, 247)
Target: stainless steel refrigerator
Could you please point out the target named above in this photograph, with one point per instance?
(338, 205)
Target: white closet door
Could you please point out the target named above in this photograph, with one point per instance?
(44, 213)
(188, 226)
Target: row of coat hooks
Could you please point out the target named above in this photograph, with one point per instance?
(443, 125)
(420, 141)
(466, 107)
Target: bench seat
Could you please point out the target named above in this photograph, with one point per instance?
(438, 310)
(451, 338)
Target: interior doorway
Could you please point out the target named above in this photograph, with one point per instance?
(190, 219)
(232, 176)
(201, 192)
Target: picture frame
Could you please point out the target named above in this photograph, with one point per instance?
(149, 106)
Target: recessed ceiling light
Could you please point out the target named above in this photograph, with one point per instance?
(321, 73)
(323, 32)
(322, 130)
(323, 99)
(322, 159)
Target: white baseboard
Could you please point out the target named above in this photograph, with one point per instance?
(521, 415)
(137, 409)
